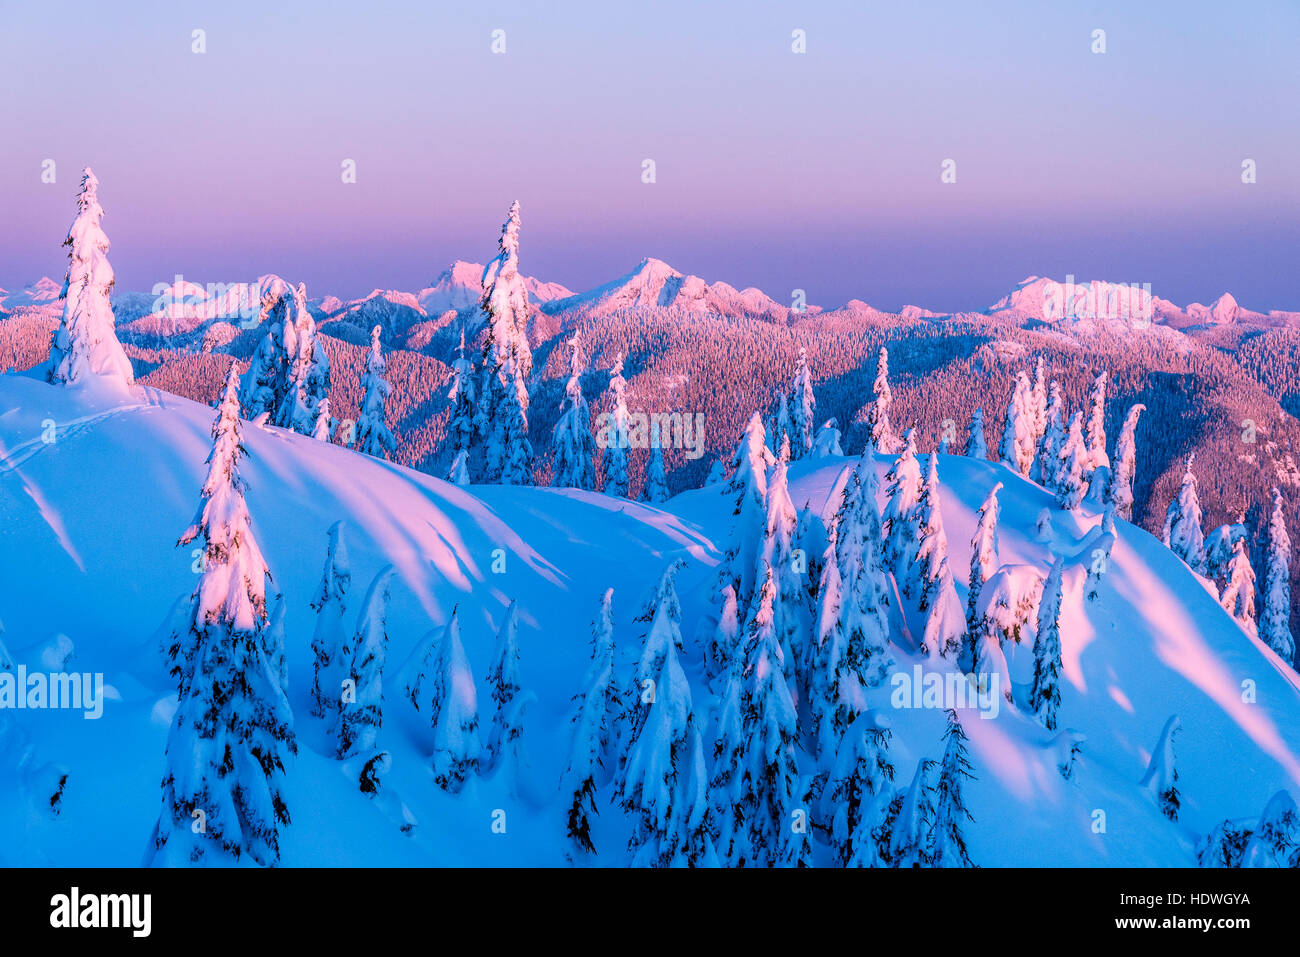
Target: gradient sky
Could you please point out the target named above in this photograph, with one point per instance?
(817, 171)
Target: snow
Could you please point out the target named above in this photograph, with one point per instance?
(87, 551)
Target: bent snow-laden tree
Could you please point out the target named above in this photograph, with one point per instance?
(1120, 493)
(1238, 598)
(85, 346)
(1161, 778)
(373, 436)
(1182, 534)
(222, 791)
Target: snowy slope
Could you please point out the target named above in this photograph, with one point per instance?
(86, 550)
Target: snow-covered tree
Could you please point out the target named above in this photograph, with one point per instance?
(1182, 532)
(463, 399)
(1120, 492)
(944, 624)
(901, 521)
(747, 488)
(827, 442)
(444, 692)
(1038, 401)
(947, 842)
(776, 553)
(616, 433)
(575, 449)
(309, 372)
(324, 426)
(859, 543)
(656, 476)
(85, 347)
(909, 822)
(510, 439)
(771, 772)
(858, 789)
(1017, 448)
(266, 383)
(1048, 455)
(591, 731)
(878, 426)
(233, 727)
(1099, 554)
(1045, 693)
(779, 433)
(1071, 483)
(1275, 627)
(362, 711)
(1275, 840)
(503, 678)
(1238, 597)
(1096, 438)
(803, 407)
(976, 446)
(505, 304)
(984, 552)
(373, 436)
(327, 644)
(1161, 778)
(725, 643)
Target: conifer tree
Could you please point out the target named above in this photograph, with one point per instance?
(725, 644)
(909, 822)
(85, 346)
(309, 372)
(901, 521)
(976, 446)
(1097, 457)
(615, 433)
(463, 399)
(948, 843)
(373, 436)
(575, 449)
(445, 693)
(1161, 778)
(1017, 448)
(984, 553)
(1275, 626)
(265, 384)
(1120, 493)
(233, 727)
(1238, 598)
(944, 626)
(362, 712)
(1072, 468)
(878, 426)
(1182, 532)
(511, 437)
(1047, 461)
(727, 782)
(1038, 403)
(327, 644)
(591, 731)
(858, 790)
(656, 477)
(747, 489)
(324, 426)
(803, 406)
(503, 678)
(1045, 693)
(505, 304)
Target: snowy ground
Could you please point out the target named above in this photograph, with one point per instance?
(88, 523)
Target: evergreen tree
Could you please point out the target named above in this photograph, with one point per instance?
(1017, 449)
(1182, 532)
(1097, 457)
(725, 644)
(327, 644)
(85, 343)
(1238, 598)
(591, 731)
(309, 372)
(656, 478)
(944, 625)
(747, 488)
(324, 426)
(859, 542)
(782, 426)
(976, 446)
(233, 726)
(901, 522)
(516, 452)
(503, 678)
(878, 426)
(771, 726)
(1038, 403)
(505, 304)
(575, 449)
(1161, 778)
(460, 427)
(266, 383)
(373, 436)
(984, 553)
(1045, 693)
(1072, 468)
(858, 790)
(1120, 493)
(727, 783)
(444, 691)
(909, 821)
(1047, 462)
(1276, 625)
(948, 844)
(776, 553)
(616, 433)
(804, 407)
(362, 712)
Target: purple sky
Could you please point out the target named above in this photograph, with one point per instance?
(817, 171)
